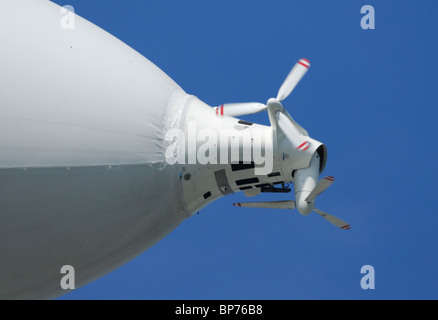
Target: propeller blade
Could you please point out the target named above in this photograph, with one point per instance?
(320, 188)
(294, 76)
(287, 204)
(332, 219)
(292, 133)
(239, 109)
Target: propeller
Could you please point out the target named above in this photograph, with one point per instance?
(239, 109)
(334, 220)
(290, 130)
(292, 79)
(304, 179)
(320, 188)
(290, 204)
(289, 84)
(286, 204)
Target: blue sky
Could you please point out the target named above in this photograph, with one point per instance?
(370, 96)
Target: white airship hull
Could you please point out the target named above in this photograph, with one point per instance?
(83, 177)
(92, 218)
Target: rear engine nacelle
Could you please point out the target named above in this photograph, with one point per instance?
(305, 181)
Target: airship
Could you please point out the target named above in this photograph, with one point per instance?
(102, 154)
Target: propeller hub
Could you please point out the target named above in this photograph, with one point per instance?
(304, 207)
(275, 105)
